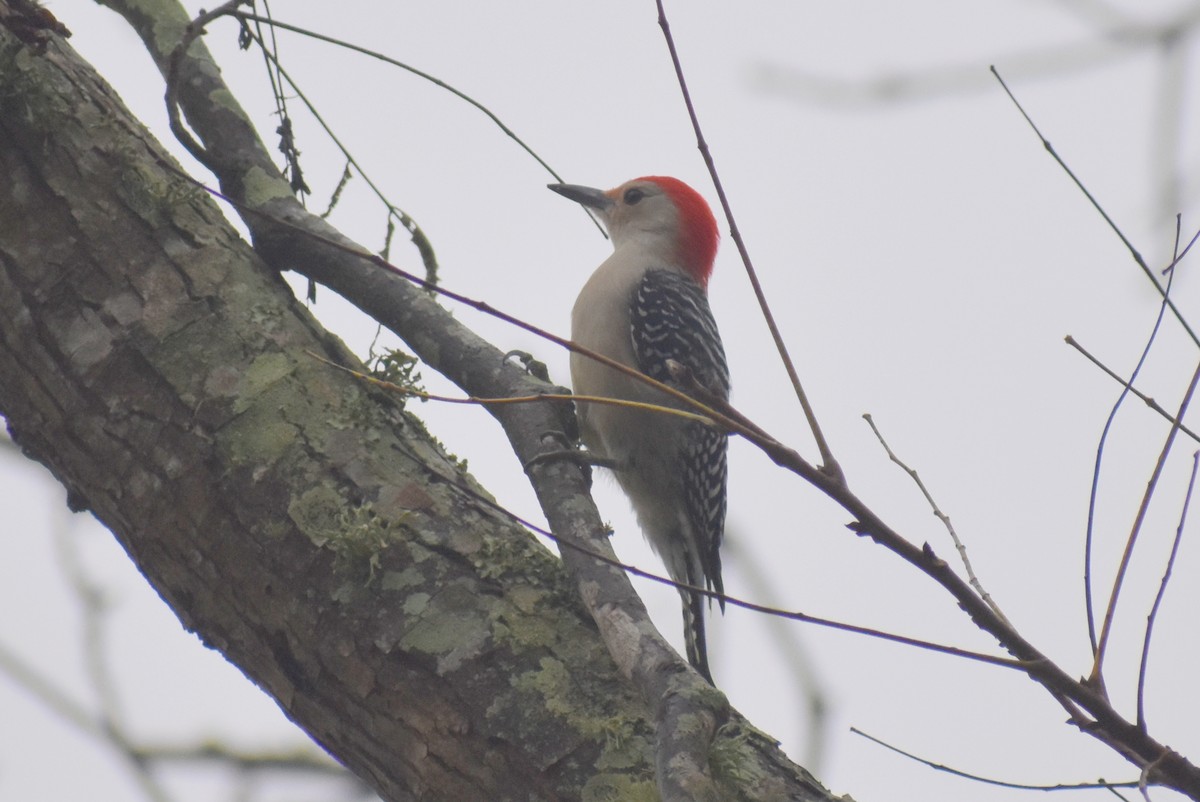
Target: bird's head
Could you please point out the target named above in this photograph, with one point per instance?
(660, 214)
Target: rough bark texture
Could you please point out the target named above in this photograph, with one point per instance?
(298, 521)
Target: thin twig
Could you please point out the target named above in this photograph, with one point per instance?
(287, 143)
(829, 465)
(944, 518)
(516, 399)
(1088, 539)
(989, 781)
(1162, 590)
(1137, 257)
(1147, 400)
(419, 238)
(241, 15)
(272, 75)
(1151, 485)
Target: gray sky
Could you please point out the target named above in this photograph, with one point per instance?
(924, 257)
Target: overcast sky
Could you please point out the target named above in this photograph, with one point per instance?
(925, 258)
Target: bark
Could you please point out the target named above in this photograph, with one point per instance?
(298, 521)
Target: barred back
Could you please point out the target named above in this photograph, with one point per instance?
(670, 319)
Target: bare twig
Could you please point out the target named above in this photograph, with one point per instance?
(1097, 668)
(1127, 387)
(522, 399)
(829, 465)
(287, 135)
(276, 24)
(1147, 400)
(1137, 257)
(988, 780)
(941, 516)
(419, 238)
(1162, 590)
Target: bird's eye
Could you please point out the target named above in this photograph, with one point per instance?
(634, 195)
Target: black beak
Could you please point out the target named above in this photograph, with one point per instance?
(589, 197)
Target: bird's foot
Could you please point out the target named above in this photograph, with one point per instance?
(533, 367)
(569, 451)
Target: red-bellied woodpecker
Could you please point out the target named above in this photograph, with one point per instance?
(644, 306)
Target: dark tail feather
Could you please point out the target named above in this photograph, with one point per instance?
(693, 633)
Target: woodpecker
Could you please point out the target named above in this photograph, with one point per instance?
(645, 305)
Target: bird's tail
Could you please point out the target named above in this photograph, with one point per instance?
(695, 640)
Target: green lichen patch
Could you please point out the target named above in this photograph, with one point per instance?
(619, 788)
(261, 187)
(401, 581)
(733, 757)
(449, 628)
(257, 437)
(262, 374)
(353, 532)
(315, 513)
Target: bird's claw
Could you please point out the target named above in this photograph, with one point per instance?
(533, 367)
(568, 451)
